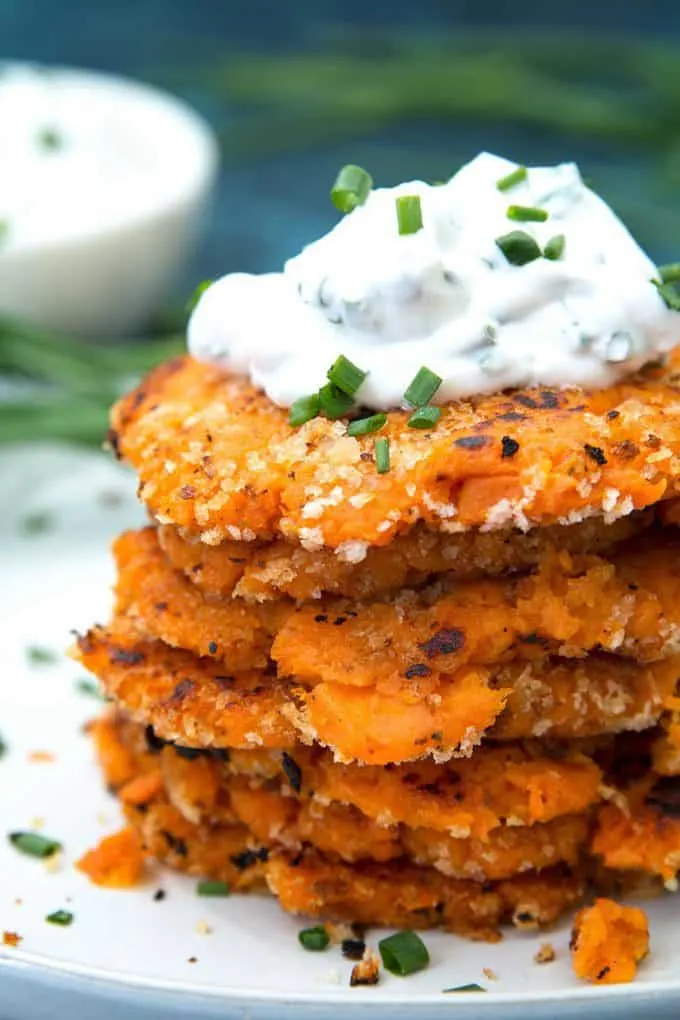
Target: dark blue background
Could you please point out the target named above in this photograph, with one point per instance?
(273, 195)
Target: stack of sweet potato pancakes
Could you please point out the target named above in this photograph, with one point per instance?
(443, 695)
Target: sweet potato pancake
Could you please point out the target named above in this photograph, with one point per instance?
(256, 572)
(629, 604)
(192, 701)
(216, 458)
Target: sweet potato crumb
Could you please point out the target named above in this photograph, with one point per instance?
(608, 941)
(10, 938)
(54, 863)
(546, 953)
(203, 928)
(116, 862)
(41, 757)
(489, 974)
(367, 971)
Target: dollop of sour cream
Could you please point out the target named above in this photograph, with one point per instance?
(447, 297)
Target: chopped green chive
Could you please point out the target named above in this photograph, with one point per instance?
(36, 523)
(345, 375)
(352, 187)
(50, 139)
(210, 887)
(197, 295)
(90, 688)
(333, 402)
(512, 179)
(40, 656)
(61, 917)
(518, 247)
(409, 214)
(314, 939)
(33, 844)
(670, 295)
(3, 747)
(304, 410)
(364, 426)
(422, 387)
(526, 214)
(465, 988)
(425, 417)
(669, 273)
(382, 455)
(554, 248)
(404, 953)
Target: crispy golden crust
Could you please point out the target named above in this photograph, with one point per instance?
(402, 895)
(218, 459)
(191, 701)
(258, 573)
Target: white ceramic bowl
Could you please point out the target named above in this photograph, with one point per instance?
(103, 230)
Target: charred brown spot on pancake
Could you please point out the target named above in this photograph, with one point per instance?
(625, 450)
(509, 446)
(181, 691)
(444, 642)
(472, 442)
(416, 670)
(595, 453)
(126, 657)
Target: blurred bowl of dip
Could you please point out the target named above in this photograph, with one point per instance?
(104, 183)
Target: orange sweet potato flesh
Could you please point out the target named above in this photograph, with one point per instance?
(168, 607)
(646, 840)
(629, 605)
(257, 573)
(399, 895)
(608, 942)
(216, 458)
(193, 702)
(116, 862)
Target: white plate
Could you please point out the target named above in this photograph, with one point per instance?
(126, 955)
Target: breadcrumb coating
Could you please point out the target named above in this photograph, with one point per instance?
(257, 573)
(216, 458)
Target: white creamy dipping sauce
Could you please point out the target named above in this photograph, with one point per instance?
(447, 297)
(82, 153)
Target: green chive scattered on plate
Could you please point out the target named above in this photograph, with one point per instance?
(314, 939)
(404, 953)
(34, 845)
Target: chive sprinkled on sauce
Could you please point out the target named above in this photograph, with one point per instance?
(345, 375)
(314, 939)
(409, 214)
(33, 844)
(197, 295)
(669, 273)
(669, 294)
(333, 402)
(519, 247)
(473, 987)
(422, 387)
(382, 455)
(351, 188)
(63, 918)
(511, 180)
(554, 249)
(425, 417)
(404, 953)
(364, 426)
(527, 214)
(212, 887)
(303, 410)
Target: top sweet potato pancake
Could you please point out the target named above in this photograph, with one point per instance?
(217, 459)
